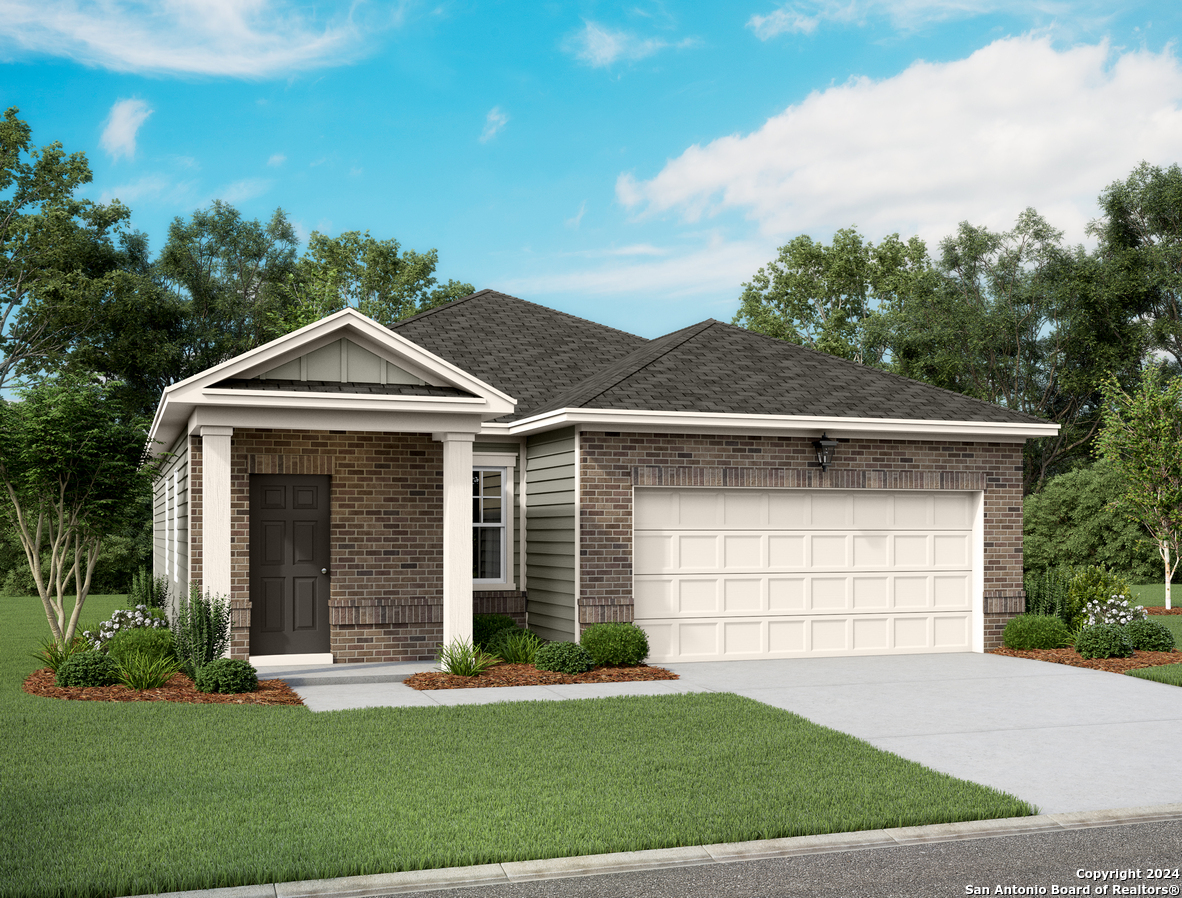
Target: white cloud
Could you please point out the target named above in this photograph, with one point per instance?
(276, 159)
(599, 46)
(804, 16)
(241, 191)
(493, 123)
(153, 187)
(123, 123)
(1016, 124)
(239, 38)
(577, 219)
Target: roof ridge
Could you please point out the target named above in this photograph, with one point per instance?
(883, 371)
(628, 371)
(451, 304)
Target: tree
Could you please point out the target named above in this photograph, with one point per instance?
(373, 276)
(70, 464)
(1142, 439)
(55, 250)
(825, 297)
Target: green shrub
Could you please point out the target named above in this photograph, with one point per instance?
(615, 645)
(486, 626)
(88, 668)
(146, 670)
(1113, 610)
(147, 590)
(1094, 584)
(1170, 674)
(201, 630)
(515, 646)
(463, 659)
(52, 655)
(139, 617)
(1103, 641)
(563, 657)
(153, 642)
(1047, 592)
(1036, 631)
(1150, 636)
(227, 675)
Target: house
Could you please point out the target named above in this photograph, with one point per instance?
(357, 491)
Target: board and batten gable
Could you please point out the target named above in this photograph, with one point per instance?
(550, 534)
(170, 522)
(342, 361)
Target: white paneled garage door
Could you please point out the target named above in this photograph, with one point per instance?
(745, 573)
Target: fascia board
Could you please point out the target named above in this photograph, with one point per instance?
(372, 402)
(780, 425)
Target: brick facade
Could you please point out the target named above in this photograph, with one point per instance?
(611, 464)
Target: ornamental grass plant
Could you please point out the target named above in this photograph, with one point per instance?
(463, 659)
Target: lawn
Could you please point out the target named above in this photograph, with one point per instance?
(103, 799)
(1154, 594)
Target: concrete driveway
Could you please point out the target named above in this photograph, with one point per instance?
(1063, 738)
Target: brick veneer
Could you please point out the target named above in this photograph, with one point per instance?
(611, 464)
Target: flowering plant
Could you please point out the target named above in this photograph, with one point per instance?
(1114, 610)
(140, 616)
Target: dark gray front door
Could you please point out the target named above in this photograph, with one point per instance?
(289, 555)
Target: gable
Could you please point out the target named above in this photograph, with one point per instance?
(342, 361)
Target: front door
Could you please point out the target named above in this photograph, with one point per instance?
(289, 556)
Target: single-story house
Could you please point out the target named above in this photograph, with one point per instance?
(357, 491)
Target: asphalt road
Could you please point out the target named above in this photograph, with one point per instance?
(1035, 864)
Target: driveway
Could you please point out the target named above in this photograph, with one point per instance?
(1063, 738)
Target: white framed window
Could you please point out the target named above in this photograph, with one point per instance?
(492, 520)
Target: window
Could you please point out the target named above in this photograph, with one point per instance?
(489, 519)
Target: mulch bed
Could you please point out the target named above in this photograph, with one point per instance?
(1112, 665)
(179, 688)
(528, 675)
(1161, 609)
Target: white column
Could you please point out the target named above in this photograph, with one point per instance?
(215, 510)
(457, 535)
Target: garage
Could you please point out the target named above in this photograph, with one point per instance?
(729, 574)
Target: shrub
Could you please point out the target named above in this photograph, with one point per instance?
(1036, 631)
(463, 659)
(614, 645)
(201, 629)
(1113, 610)
(564, 657)
(1047, 592)
(486, 626)
(515, 646)
(1150, 636)
(88, 668)
(1094, 583)
(1103, 641)
(227, 675)
(152, 592)
(153, 642)
(53, 655)
(145, 670)
(141, 616)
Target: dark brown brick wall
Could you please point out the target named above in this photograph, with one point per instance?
(612, 464)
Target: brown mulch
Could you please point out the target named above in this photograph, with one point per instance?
(1113, 665)
(528, 675)
(179, 688)
(1161, 609)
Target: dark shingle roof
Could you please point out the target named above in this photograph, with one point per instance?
(333, 386)
(719, 368)
(525, 350)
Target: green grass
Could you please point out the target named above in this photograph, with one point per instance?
(1166, 673)
(103, 799)
(1154, 594)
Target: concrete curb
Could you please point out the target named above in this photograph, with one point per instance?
(663, 858)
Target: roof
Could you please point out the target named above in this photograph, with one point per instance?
(523, 349)
(718, 368)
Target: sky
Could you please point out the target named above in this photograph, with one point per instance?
(632, 163)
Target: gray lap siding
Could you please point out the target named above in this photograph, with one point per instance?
(612, 464)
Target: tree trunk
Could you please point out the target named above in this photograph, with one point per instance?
(1165, 554)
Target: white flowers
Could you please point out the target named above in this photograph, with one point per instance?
(127, 619)
(1114, 610)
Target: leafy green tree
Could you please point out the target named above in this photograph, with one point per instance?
(826, 297)
(1142, 439)
(373, 276)
(1071, 521)
(56, 250)
(70, 465)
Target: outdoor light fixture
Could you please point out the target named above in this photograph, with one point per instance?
(824, 447)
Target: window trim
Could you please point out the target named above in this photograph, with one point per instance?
(505, 462)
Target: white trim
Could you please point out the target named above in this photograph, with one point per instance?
(216, 513)
(314, 659)
(508, 461)
(578, 531)
(978, 586)
(457, 535)
(522, 523)
(176, 497)
(776, 425)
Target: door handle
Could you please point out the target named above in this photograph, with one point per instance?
(324, 570)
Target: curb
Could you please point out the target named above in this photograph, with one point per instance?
(664, 858)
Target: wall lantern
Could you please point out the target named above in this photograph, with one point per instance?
(825, 448)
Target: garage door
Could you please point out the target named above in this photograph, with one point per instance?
(732, 574)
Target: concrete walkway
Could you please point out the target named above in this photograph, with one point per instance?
(1065, 739)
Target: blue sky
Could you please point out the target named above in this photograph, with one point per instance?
(632, 163)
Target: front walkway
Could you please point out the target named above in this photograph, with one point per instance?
(1063, 738)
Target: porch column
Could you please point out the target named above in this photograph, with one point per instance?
(457, 535)
(215, 510)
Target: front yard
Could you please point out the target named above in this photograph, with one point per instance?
(103, 799)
